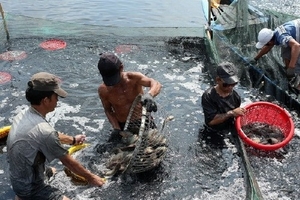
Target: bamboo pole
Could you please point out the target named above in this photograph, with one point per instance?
(4, 22)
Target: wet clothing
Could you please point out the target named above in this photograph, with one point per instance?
(32, 141)
(283, 34)
(287, 31)
(213, 104)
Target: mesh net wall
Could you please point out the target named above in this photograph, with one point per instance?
(151, 144)
(235, 28)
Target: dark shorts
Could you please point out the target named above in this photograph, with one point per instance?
(47, 193)
(213, 138)
(122, 125)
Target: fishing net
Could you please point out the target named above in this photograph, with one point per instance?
(151, 145)
(235, 28)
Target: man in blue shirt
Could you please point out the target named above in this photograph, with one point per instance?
(287, 36)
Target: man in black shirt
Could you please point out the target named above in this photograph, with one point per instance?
(221, 103)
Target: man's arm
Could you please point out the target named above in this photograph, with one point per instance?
(155, 87)
(295, 50)
(145, 81)
(73, 140)
(220, 118)
(263, 51)
(78, 169)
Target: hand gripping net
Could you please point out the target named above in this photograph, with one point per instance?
(150, 146)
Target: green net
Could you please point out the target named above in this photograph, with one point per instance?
(235, 28)
(151, 145)
(143, 144)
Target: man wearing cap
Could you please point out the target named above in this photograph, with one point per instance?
(221, 103)
(32, 141)
(119, 89)
(287, 36)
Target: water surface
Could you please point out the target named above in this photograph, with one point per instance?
(178, 59)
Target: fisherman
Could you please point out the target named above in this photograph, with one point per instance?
(287, 36)
(221, 104)
(119, 89)
(32, 140)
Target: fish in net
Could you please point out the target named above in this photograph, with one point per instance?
(144, 144)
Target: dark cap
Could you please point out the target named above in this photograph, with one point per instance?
(44, 81)
(227, 72)
(109, 67)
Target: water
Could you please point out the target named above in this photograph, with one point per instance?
(119, 13)
(191, 170)
(290, 7)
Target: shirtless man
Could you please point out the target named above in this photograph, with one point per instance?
(119, 89)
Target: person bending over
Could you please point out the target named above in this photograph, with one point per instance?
(287, 36)
(32, 141)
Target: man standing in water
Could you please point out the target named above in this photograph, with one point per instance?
(287, 36)
(119, 89)
(221, 103)
(32, 140)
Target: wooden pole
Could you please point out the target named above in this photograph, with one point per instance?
(4, 22)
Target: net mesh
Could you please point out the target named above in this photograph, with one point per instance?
(151, 145)
(235, 28)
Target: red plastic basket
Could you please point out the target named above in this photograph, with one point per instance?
(266, 112)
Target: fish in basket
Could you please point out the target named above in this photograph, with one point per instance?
(144, 145)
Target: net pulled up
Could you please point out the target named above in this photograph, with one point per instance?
(235, 26)
(145, 145)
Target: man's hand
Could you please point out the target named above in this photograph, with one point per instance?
(251, 61)
(290, 72)
(95, 180)
(239, 111)
(79, 139)
(147, 100)
(115, 135)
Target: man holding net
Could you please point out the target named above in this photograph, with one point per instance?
(119, 90)
(32, 141)
(287, 36)
(221, 104)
